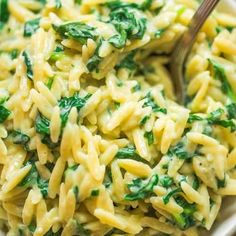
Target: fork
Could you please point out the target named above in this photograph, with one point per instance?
(184, 45)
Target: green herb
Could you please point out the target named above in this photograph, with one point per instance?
(149, 136)
(166, 181)
(144, 120)
(58, 4)
(81, 231)
(179, 151)
(193, 117)
(31, 27)
(55, 56)
(29, 65)
(196, 183)
(50, 82)
(184, 220)
(230, 28)
(149, 101)
(78, 31)
(14, 53)
(95, 192)
(51, 233)
(167, 197)
(129, 152)
(18, 137)
(159, 33)
(128, 62)
(231, 109)
(141, 189)
(207, 130)
(67, 103)
(117, 105)
(136, 88)
(146, 5)
(165, 166)
(33, 178)
(76, 192)
(94, 61)
(214, 118)
(4, 113)
(32, 227)
(4, 12)
(219, 74)
(127, 25)
(42, 124)
(221, 183)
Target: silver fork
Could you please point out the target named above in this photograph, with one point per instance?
(184, 45)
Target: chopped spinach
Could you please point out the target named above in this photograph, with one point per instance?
(136, 88)
(78, 31)
(18, 137)
(128, 62)
(185, 219)
(50, 82)
(4, 12)
(29, 65)
(67, 103)
(81, 231)
(146, 4)
(141, 189)
(194, 117)
(149, 101)
(94, 61)
(196, 183)
(231, 109)
(129, 152)
(179, 151)
(150, 137)
(4, 113)
(166, 181)
(219, 74)
(31, 27)
(95, 192)
(58, 4)
(159, 33)
(127, 25)
(76, 192)
(33, 178)
(51, 233)
(221, 183)
(42, 124)
(173, 192)
(214, 118)
(14, 53)
(144, 120)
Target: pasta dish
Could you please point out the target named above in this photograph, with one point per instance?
(92, 140)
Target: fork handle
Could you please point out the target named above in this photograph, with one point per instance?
(185, 44)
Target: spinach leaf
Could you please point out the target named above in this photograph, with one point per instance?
(29, 65)
(219, 74)
(58, 4)
(18, 137)
(31, 27)
(4, 12)
(141, 189)
(14, 53)
(51, 233)
(214, 118)
(173, 192)
(78, 31)
(42, 124)
(144, 120)
(136, 88)
(231, 109)
(76, 192)
(4, 113)
(221, 183)
(196, 183)
(128, 62)
(129, 152)
(94, 61)
(166, 181)
(179, 151)
(150, 137)
(159, 33)
(81, 231)
(126, 23)
(95, 192)
(193, 117)
(184, 220)
(146, 5)
(67, 103)
(33, 179)
(149, 101)
(50, 82)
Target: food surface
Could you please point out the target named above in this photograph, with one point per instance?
(92, 141)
